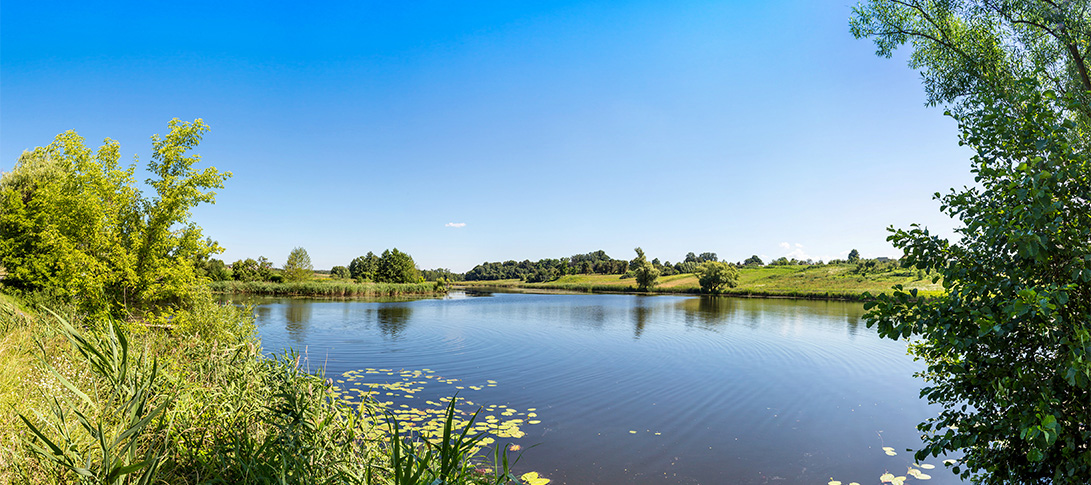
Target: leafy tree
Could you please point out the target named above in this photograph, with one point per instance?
(714, 276)
(854, 256)
(707, 257)
(340, 272)
(1008, 345)
(298, 267)
(645, 272)
(213, 269)
(968, 51)
(365, 268)
(74, 223)
(690, 258)
(397, 267)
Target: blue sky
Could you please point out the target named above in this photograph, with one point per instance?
(463, 132)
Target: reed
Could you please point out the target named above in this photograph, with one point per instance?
(327, 288)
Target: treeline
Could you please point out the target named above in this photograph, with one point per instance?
(596, 262)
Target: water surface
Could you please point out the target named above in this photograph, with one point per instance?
(644, 389)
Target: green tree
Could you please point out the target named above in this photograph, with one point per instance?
(74, 224)
(644, 271)
(970, 50)
(397, 267)
(340, 272)
(1008, 346)
(365, 268)
(714, 276)
(854, 256)
(298, 267)
(753, 261)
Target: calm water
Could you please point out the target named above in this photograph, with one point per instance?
(717, 390)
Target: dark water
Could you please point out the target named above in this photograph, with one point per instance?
(717, 390)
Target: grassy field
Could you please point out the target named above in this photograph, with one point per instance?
(827, 281)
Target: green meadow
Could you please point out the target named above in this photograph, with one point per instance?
(835, 281)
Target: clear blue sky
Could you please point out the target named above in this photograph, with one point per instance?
(541, 130)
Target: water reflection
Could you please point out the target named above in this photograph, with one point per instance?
(297, 317)
(393, 319)
(641, 314)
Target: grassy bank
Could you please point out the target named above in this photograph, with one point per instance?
(99, 402)
(327, 288)
(838, 281)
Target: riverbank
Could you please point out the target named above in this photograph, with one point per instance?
(327, 288)
(193, 402)
(832, 282)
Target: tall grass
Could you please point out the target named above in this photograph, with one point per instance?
(114, 403)
(327, 288)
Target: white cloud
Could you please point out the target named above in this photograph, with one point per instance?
(796, 252)
(455, 224)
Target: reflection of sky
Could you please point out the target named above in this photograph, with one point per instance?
(737, 387)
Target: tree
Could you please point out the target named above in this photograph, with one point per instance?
(753, 261)
(714, 276)
(364, 268)
(74, 224)
(645, 272)
(298, 267)
(340, 272)
(971, 50)
(854, 256)
(1007, 346)
(397, 267)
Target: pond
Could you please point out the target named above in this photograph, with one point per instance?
(637, 389)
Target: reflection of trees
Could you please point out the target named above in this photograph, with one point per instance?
(393, 318)
(640, 319)
(297, 315)
(710, 311)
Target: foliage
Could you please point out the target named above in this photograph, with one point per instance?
(440, 274)
(340, 272)
(397, 267)
(298, 267)
(715, 276)
(75, 225)
(365, 268)
(1008, 345)
(753, 261)
(328, 288)
(595, 262)
(212, 268)
(645, 273)
(854, 256)
(116, 423)
(966, 49)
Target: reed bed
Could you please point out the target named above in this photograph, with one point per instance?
(327, 288)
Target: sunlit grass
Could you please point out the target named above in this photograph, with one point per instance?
(798, 281)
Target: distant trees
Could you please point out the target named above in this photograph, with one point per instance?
(339, 272)
(440, 274)
(715, 276)
(596, 262)
(212, 268)
(753, 261)
(250, 270)
(298, 267)
(854, 256)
